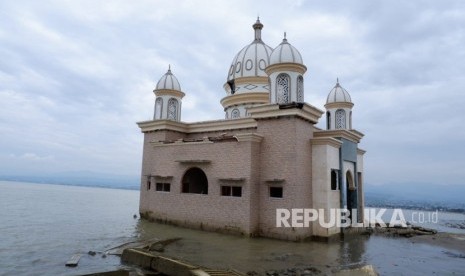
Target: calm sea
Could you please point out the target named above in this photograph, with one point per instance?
(42, 226)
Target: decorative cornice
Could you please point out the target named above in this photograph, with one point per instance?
(246, 137)
(339, 105)
(360, 151)
(244, 98)
(357, 132)
(220, 125)
(179, 142)
(286, 67)
(326, 141)
(305, 111)
(169, 92)
(247, 80)
(198, 127)
(153, 125)
(351, 135)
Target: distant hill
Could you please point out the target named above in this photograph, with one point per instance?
(81, 178)
(418, 196)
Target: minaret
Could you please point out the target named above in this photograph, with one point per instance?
(168, 98)
(285, 72)
(338, 108)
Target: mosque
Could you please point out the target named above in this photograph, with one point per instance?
(232, 175)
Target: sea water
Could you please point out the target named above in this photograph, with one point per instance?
(42, 226)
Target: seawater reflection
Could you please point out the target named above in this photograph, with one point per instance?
(254, 254)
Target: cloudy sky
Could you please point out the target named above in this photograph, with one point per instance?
(76, 76)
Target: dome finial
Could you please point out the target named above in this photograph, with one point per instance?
(258, 26)
(285, 39)
(169, 68)
(337, 81)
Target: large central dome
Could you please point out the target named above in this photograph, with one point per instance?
(252, 60)
(247, 84)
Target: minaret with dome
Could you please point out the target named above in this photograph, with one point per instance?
(338, 108)
(168, 98)
(286, 71)
(232, 175)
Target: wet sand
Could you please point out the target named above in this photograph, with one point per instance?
(421, 255)
(446, 240)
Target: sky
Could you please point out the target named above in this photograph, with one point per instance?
(76, 76)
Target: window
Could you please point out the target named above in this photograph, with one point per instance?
(282, 89)
(158, 108)
(276, 192)
(235, 191)
(235, 114)
(300, 89)
(350, 120)
(195, 181)
(340, 119)
(334, 179)
(328, 120)
(173, 109)
(163, 187)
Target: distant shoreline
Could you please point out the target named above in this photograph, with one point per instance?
(413, 205)
(122, 187)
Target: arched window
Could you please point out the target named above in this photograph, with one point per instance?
(173, 109)
(195, 181)
(350, 181)
(235, 114)
(328, 120)
(300, 89)
(340, 119)
(282, 89)
(351, 194)
(158, 108)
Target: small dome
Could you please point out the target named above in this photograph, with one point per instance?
(338, 95)
(285, 53)
(252, 60)
(168, 81)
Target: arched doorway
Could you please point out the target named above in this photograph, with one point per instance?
(194, 181)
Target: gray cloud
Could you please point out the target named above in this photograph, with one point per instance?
(76, 76)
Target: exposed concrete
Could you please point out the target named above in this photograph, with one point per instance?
(408, 232)
(74, 260)
(367, 270)
(110, 273)
(168, 266)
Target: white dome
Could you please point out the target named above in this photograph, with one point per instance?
(285, 53)
(252, 60)
(338, 95)
(168, 81)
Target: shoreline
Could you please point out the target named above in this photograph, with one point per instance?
(445, 240)
(453, 245)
